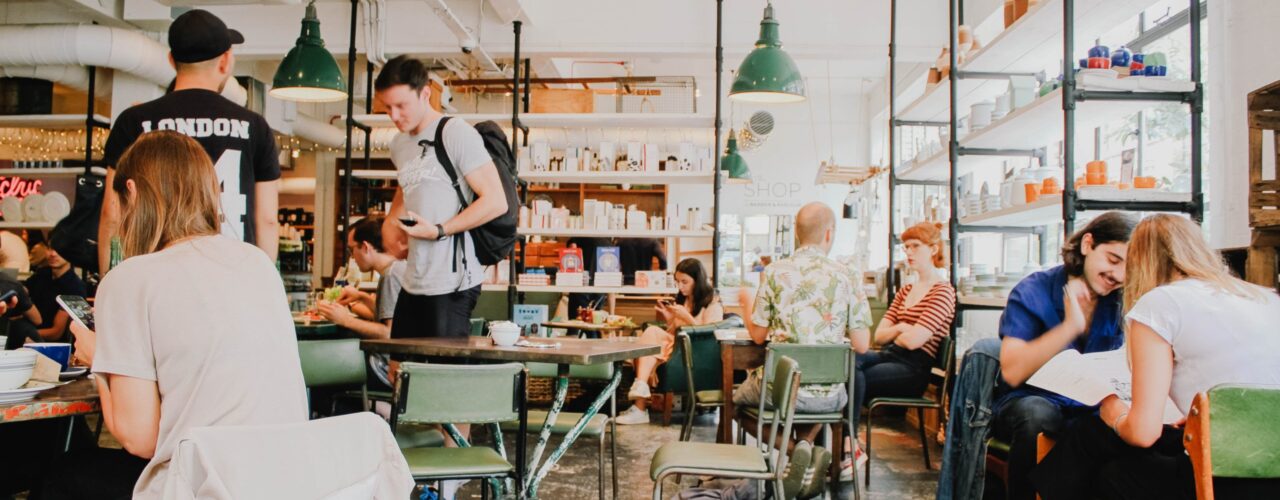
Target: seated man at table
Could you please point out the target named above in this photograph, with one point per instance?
(369, 315)
(807, 298)
(1072, 306)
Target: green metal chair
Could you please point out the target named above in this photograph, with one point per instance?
(456, 394)
(1231, 432)
(946, 358)
(340, 362)
(821, 364)
(703, 389)
(732, 460)
(598, 426)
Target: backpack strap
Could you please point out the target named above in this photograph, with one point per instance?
(459, 244)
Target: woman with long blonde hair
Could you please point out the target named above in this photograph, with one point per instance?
(195, 327)
(1191, 326)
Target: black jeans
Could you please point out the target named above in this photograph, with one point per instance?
(882, 374)
(1018, 423)
(1091, 461)
(447, 315)
(98, 473)
(29, 448)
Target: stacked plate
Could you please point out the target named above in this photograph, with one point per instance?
(15, 374)
(36, 207)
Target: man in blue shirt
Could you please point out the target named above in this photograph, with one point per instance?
(1072, 306)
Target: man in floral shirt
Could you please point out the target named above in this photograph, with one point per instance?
(808, 298)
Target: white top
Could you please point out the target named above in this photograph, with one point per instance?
(1217, 337)
(429, 193)
(208, 320)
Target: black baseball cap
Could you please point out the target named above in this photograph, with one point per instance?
(198, 35)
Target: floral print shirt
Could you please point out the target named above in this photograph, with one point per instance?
(810, 298)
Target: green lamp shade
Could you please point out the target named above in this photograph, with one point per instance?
(309, 73)
(733, 164)
(768, 74)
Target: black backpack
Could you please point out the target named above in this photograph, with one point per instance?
(75, 237)
(495, 239)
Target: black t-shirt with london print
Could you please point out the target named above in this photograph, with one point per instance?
(239, 143)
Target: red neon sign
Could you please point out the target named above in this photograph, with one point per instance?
(19, 187)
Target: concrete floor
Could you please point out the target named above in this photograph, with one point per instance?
(897, 472)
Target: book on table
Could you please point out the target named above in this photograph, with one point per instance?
(1090, 378)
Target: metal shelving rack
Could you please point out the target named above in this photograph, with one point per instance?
(1071, 97)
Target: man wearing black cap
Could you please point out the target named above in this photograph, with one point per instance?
(239, 141)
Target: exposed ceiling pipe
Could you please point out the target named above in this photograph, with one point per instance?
(466, 40)
(71, 76)
(86, 45)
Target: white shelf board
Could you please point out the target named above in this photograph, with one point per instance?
(1031, 44)
(572, 120)
(1049, 210)
(1039, 123)
(27, 225)
(49, 172)
(1043, 211)
(628, 290)
(984, 301)
(936, 166)
(1034, 42)
(61, 122)
(655, 178)
(614, 233)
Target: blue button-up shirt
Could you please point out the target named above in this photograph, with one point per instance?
(1035, 307)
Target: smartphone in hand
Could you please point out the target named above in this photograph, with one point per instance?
(409, 221)
(8, 295)
(79, 309)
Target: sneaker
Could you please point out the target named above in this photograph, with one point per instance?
(639, 390)
(846, 467)
(632, 416)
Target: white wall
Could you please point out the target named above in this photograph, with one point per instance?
(1238, 30)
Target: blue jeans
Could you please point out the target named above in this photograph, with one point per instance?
(884, 375)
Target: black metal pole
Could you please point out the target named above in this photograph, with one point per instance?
(1068, 119)
(515, 146)
(345, 210)
(1197, 110)
(89, 125)
(715, 180)
(368, 108)
(890, 280)
(953, 150)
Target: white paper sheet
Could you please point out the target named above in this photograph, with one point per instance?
(1090, 378)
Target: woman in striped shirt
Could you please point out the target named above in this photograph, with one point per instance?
(914, 326)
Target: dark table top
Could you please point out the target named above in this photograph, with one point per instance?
(75, 398)
(571, 351)
(315, 329)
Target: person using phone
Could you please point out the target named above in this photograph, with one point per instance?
(21, 314)
(55, 278)
(203, 315)
(696, 303)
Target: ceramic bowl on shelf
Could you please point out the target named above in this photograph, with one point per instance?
(56, 206)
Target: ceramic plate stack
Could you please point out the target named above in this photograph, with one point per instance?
(15, 371)
(12, 209)
(33, 207)
(55, 207)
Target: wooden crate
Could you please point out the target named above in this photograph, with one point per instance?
(1264, 195)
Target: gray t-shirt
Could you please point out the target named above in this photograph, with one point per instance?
(429, 193)
(388, 290)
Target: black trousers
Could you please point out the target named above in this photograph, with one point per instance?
(30, 447)
(1018, 423)
(447, 315)
(98, 473)
(1091, 461)
(881, 374)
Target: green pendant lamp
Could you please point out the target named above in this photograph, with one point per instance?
(733, 164)
(768, 74)
(309, 73)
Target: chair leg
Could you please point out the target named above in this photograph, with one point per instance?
(613, 446)
(924, 443)
(600, 460)
(657, 487)
(853, 440)
(867, 480)
(835, 445)
(691, 409)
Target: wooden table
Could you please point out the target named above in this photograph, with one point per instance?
(570, 352)
(737, 353)
(586, 327)
(79, 397)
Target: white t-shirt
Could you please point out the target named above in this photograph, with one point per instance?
(429, 193)
(207, 319)
(1217, 337)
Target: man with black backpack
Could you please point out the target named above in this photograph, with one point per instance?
(450, 192)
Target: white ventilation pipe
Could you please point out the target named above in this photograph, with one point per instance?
(76, 77)
(318, 131)
(86, 45)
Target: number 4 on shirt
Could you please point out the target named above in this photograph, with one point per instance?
(234, 203)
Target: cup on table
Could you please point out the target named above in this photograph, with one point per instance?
(57, 351)
(504, 333)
